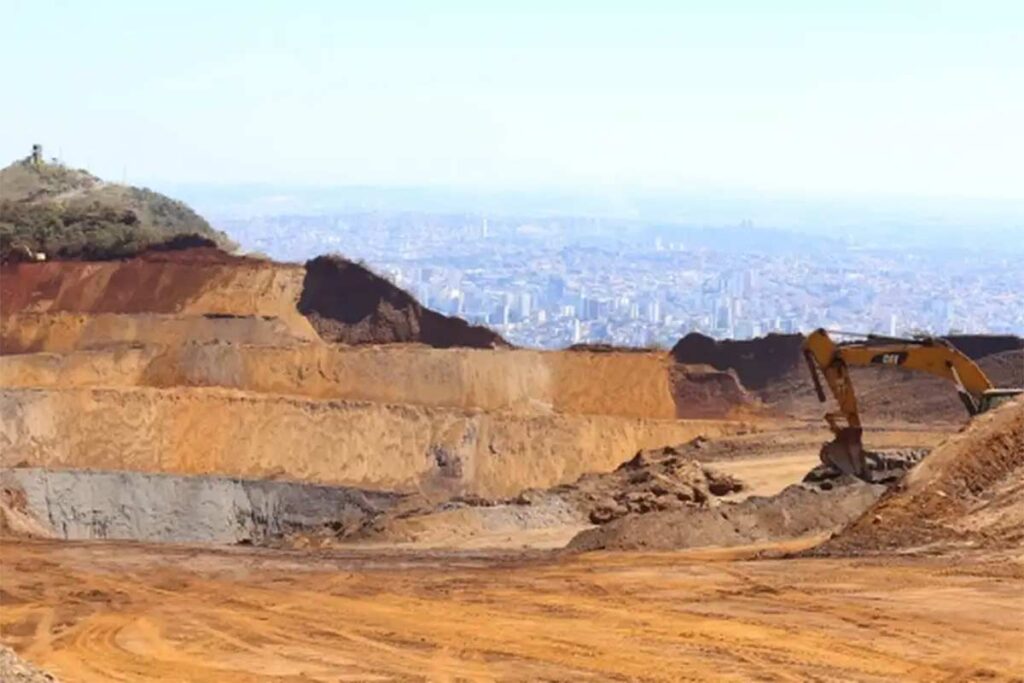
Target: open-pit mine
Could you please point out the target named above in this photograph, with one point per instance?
(222, 468)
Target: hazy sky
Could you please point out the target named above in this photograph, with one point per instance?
(860, 97)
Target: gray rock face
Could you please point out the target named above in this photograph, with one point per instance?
(81, 504)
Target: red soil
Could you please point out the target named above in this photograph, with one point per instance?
(153, 282)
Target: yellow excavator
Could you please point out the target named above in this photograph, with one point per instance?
(935, 356)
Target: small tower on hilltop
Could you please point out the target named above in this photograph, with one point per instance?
(37, 155)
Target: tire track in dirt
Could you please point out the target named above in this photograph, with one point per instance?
(174, 614)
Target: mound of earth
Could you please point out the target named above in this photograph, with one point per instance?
(825, 501)
(799, 510)
(65, 213)
(969, 490)
(1005, 369)
(977, 346)
(894, 396)
(349, 304)
(653, 480)
(757, 362)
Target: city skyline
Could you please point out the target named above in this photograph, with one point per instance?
(554, 282)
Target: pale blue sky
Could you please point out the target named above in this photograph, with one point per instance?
(820, 98)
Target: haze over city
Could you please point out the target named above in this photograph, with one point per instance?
(633, 163)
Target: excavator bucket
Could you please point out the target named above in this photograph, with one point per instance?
(846, 452)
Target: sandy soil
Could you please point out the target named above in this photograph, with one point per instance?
(369, 445)
(262, 357)
(968, 490)
(765, 461)
(104, 612)
(769, 462)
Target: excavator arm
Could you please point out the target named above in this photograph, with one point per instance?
(833, 362)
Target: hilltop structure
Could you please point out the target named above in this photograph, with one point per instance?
(66, 213)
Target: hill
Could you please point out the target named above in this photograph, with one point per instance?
(65, 213)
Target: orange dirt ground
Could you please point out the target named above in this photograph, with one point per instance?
(102, 612)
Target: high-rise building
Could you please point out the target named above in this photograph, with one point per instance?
(555, 288)
(723, 316)
(524, 305)
(654, 312)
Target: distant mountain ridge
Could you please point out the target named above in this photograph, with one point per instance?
(65, 213)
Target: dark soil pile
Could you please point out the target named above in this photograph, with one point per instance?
(893, 394)
(977, 346)
(601, 347)
(757, 362)
(349, 304)
(970, 490)
(1005, 369)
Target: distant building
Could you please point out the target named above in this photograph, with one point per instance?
(37, 155)
(555, 288)
(654, 312)
(524, 305)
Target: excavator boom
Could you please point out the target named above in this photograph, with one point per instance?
(934, 356)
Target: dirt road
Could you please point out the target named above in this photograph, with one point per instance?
(105, 612)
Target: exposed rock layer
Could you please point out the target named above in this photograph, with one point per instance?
(368, 445)
(84, 504)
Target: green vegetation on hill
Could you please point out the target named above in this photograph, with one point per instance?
(69, 214)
